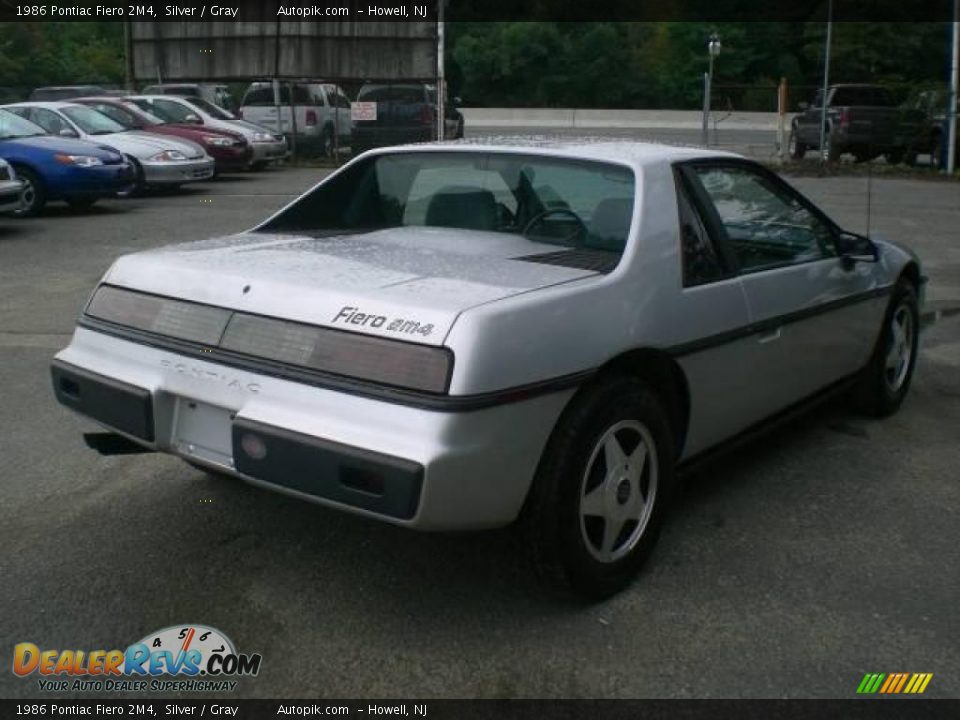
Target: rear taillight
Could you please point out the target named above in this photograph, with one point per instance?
(426, 115)
(311, 118)
(844, 117)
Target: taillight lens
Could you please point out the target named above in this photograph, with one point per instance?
(379, 360)
(311, 118)
(420, 367)
(844, 117)
(163, 316)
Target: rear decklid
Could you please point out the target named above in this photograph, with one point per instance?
(405, 283)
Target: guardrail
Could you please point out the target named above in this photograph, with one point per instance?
(569, 118)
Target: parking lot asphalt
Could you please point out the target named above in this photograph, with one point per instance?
(788, 569)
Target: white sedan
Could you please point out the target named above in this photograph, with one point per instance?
(460, 336)
(159, 160)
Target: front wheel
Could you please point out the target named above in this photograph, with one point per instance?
(602, 487)
(886, 379)
(139, 184)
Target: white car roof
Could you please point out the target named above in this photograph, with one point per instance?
(49, 104)
(631, 152)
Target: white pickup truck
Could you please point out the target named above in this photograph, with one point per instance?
(319, 113)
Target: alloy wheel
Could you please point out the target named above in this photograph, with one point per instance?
(618, 490)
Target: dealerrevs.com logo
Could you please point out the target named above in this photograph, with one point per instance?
(200, 658)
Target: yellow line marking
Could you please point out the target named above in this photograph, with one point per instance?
(926, 681)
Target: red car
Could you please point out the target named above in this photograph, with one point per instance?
(230, 150)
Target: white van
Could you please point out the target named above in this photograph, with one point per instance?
(322, 112)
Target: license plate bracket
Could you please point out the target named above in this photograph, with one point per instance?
(203, 431)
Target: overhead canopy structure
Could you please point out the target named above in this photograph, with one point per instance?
(335, 51)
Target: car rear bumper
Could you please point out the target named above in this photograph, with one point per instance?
(427, 469)
(177, 172)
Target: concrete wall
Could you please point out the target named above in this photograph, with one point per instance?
(613, 118)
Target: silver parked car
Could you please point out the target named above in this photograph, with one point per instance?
(267, 146)
(11, 189)
(159, 160)
(458, 336)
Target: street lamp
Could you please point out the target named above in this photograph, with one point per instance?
(713, 50)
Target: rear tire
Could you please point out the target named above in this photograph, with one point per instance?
(602, 488)
(34, 194)
(885, 380)
(795, 148)
(936, 152)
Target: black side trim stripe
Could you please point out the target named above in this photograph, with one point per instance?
(762, 326)
(326, 381)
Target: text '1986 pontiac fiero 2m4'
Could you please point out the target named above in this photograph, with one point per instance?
(459, 336)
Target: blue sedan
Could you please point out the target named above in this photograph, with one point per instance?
(56, 168)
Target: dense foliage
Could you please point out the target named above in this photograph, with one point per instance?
(550, 64)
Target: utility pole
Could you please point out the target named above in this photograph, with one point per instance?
(954, 82)
(128, 57)
(826, 82)
(713, 50)
(441, 73)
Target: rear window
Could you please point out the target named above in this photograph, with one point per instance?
(862, 96)
(571, 203)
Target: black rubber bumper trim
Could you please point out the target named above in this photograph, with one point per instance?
(124, 407)
(364, 479)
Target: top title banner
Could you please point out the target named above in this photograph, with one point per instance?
(479, 10)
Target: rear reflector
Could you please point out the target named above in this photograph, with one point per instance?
(160, 315)
(311, 118)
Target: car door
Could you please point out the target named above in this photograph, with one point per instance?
(813, 315)
(709, 314)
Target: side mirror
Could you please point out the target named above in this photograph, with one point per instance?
(191, 118)
(68, 132)
(856, 248)
(803, 106)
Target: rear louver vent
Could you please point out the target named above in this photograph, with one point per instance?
(600, 261)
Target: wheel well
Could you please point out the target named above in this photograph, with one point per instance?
(912, 273)
(666, 379)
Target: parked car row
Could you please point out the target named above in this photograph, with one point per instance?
(87, 148)
(316, 115)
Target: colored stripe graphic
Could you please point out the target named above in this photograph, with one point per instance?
(894, 683)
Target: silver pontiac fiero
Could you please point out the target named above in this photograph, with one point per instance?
(461, 336)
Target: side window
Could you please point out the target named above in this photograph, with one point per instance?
(766, 224)
(179, 113)
(701, 264)
(49, 121)
(116, 114)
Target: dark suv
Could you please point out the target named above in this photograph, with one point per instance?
(405, 113)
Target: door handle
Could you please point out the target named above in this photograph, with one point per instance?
(769, 336)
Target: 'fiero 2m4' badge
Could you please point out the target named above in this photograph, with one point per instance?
(349, 315)
(182, 651)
